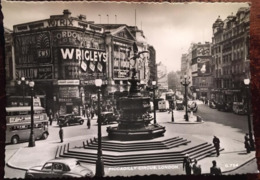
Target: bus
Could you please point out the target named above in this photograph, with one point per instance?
(18, 124)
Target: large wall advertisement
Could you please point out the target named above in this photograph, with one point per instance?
(88, 64)
(33, 55)
(32, 49)
(162, 76)
(121, 68)
(80, 55)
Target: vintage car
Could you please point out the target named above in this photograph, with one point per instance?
(68, 119)
(163, 105)
(108, 117)
(239, 108)
(59, 168)
(212, 104)
(224, 106)
(192, 106)
(179, 105)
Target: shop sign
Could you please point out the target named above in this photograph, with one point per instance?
(43, 72)
(55, 22)
(77, 38)
(32, 48)
(69, 92)
(92, 82)
(68, 82)
(65, 100)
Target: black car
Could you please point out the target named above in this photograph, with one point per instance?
(108, 117)
(68, 119)
(223, 106)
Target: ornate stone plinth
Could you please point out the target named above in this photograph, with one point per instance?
(134, 122)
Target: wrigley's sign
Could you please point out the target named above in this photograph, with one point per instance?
(83, 54)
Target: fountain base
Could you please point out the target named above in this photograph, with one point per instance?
(148, 132)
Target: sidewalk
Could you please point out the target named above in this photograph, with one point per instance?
(231, 158)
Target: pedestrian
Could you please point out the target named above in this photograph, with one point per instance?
(88, 117)
(50, 116)
(187, 164)
(216, 143)
(57, 116)
(247, 143)
(92, 112)
(214, 170)
(84, 111)
(61, 134)
(196, 168)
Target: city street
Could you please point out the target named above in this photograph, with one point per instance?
(222, 124)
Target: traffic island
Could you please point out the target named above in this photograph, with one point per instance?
(193, 119)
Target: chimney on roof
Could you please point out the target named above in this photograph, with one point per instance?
(66, 13)
(82, 17)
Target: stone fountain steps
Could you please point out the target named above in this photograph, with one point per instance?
(127, 147)
(199, 152)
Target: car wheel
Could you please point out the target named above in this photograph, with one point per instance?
(81, 122)
(15, 140)
(45, 135)
(29, 176)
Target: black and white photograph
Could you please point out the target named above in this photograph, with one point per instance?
(106, 89)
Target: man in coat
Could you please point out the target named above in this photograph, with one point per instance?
(216, 143)
(61, 134)
(214, 170)
(187, 164)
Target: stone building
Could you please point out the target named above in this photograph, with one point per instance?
(230, 50)
(65, 54)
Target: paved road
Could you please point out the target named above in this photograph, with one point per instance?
(218, 123)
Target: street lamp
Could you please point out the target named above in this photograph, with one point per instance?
(185, 82)
(252, 145)
(32, 138)
(23, 82)
(154, 111)
(99, 163)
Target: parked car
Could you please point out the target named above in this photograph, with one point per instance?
(239, 108)
(59, 168)
(192, 106)
(222, 106)
(68, 119)
(179, 105)
(163, 105)
(108, 117)
(212, 104)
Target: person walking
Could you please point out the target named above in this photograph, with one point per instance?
(61, 134)
(187, 164)
(50, 116)
(84, 111)
(247, 144)
(214, 170)
(216, 143)
(88, 117)
(92, 112)
(196, 168)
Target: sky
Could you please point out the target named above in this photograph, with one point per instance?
(169, 27)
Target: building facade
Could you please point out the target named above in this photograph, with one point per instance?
(231, 61)
(64, 55)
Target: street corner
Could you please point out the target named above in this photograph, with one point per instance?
(27, 157)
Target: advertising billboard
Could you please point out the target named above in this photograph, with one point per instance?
(162, 76)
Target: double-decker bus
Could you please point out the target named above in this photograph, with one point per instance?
(18, 124)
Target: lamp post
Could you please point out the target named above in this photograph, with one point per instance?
(23, 82)
(99, 162)
(185, 82)
(252, 145)
(32, 138)
(154, 111)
